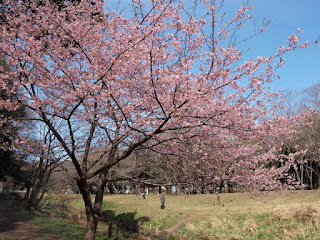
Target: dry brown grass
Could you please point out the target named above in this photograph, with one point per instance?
(250, 226)
(298, 212)
(289, 234)
(268, 215)
(234, 237)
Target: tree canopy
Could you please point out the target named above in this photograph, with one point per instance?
(160, 75)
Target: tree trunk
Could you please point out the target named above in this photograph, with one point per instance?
(318, 176)
(302, 173)
(37, 186)
(45, 185)
(36, 183)
(114, 188)
(93, 212)
(297, 174)
(26, 196)
(91, 227)
(311, 176)
(91, 221)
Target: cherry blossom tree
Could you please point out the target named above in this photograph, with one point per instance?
(45, 154)
(253, 159)
(125, 79)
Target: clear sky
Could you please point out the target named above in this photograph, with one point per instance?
(302, 68)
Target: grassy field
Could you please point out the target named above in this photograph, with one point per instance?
(272, 215)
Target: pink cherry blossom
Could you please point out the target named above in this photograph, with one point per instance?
(304, 45)
(151, 78)
(293, 39)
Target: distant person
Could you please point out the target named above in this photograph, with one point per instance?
(162, 200)
(143, 194)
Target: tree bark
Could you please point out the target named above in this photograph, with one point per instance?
(26, 196)
(91, 221)
(93, 212)
(318, 176)
(302, 173)
(45, 185)
(311, 176)
(37, 186)
(91, 227)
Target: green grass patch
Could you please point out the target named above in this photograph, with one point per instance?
(236, 216)
(56, 227)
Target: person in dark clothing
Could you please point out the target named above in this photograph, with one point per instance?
(143, 194)
(162, 200)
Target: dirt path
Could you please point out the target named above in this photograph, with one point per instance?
(163, 235)
(14, 227)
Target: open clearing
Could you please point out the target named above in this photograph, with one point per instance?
(236, 216)
(268, 215)
(202, 216)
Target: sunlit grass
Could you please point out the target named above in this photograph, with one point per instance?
(236, 216)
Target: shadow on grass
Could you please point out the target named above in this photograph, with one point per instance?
(124, 222)
(60, 227)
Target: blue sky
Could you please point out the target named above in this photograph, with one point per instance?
(302, 68)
